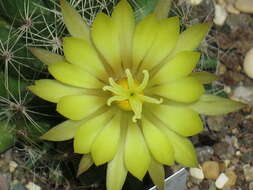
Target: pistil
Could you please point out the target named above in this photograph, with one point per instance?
(128, 93)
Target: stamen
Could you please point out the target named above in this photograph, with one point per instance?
(136, 106)
(144, 82)
(128, 94)
(115, 88)
(130, 79)
(111, 89)
(150, 99)
(115, 98)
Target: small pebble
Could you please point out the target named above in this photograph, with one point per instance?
(244, 5)
(212, 186)
(197, 173)
(12, 166)
(227, 162)
(204, 153)
(221, 70)
(243, 94)
(222, 166)
(220, 15)
(248, 172)
(221, 181)
(211, 169)
(238, 153)
(231, 178)
(251, 186)
(194, 2)
(32, 186)
(247, 157)
(248, 61)
(216, 123)
(231, 9)
(3, 183)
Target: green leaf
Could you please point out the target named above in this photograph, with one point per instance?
(215, 105)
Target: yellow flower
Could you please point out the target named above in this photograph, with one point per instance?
(129, 92)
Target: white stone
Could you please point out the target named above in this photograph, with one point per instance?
(195, 2)
(12, 166)
(244, 5)
(220, 15)
(221, 181)
(243, 94)
(32, 186)
(197, 173)
(227, 162)
(248, 63)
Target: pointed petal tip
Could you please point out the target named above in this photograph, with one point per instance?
(44, 137)
(75, 24)
(241, 105)
(207, 26)
(47, 137)
(85, 163)
(30, 87)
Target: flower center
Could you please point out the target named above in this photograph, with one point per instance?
(128, 93)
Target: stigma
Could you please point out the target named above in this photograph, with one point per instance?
(128, 93)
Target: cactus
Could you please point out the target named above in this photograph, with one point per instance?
(7, 136)
(39, 23)
(23, 117)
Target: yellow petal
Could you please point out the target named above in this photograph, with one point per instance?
(106, 143)
(75, 24)
(191, 38)
(165, 41)
(85, 163)
(73, 75)
(124, 21)
(204, 77)
(63, 131)
(137, 157)
(186, 89)
(182, 120)
(77, 107)
(157, 174)
(81, 53)
(46, 57)
(116, 172)
(52, 90)
(162, 8)
(105, 37)
(158, 143)
(185, 153)
(87, 132)
(214, 105)
(179, 66)
(144, 36)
